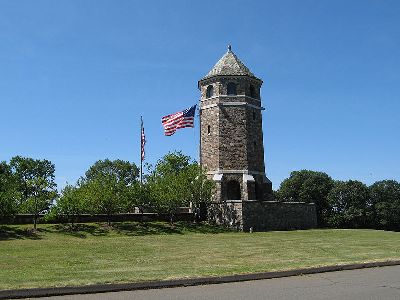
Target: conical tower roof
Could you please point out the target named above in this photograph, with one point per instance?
(229, 64)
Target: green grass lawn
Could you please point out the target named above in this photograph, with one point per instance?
(129, 252)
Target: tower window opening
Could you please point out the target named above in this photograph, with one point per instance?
(210, 91)
(233, 190)
(259, 192)
(231, 88)
(209, 130)
(252, 91)
(254, 116)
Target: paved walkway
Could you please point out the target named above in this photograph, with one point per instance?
(375, 283)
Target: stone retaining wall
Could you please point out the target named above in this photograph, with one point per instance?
(264, 215)
(145, 217)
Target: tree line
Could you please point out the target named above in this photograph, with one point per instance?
(108, 187)
(345, 204)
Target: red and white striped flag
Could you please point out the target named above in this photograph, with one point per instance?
(178, 120)
(142, 141)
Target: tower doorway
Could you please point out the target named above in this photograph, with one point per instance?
(233, 190)
(259, 191)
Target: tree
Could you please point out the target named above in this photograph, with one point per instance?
(123, 171)
(175, 182)
(35, 181)
(385, 198)
(71, 203)
(310, 187)
(105, 195)
(171, 163)
(167, 194)
(349, 204)
(9, 195)
(137, 196)
(42, 193)
(200, 189)
(111, 186)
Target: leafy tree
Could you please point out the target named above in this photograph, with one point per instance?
(35, 180)
(71, 203)
(167, 195)
(310, 187)
(137, 196)
(349, 204)
(176, 181)
(111, 187)
(108, 187)
(200, 188)
(122, 171)
(42, 193)
(9, 195)
(105, 195)
(385, 198)
(171, 163)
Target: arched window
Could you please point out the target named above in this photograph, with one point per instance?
(210, 91)
(252, 91)
(209, 130)
(233, 192)
(231, 88)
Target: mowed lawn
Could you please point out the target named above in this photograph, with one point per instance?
(131, 252)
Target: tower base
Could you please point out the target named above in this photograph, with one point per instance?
(241, 185)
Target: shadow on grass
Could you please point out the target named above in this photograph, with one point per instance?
(161, 228)
(146, 228)
(80, 230)
(83, 230)
(205, 228)
(135, 229)
(14, 233)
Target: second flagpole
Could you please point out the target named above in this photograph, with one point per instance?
(141, 150)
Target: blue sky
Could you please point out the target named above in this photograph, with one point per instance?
(75, 77)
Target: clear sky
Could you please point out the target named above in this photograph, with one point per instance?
(75, 77)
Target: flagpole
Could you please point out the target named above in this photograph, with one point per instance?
(200, 162)
(141, 146)
(199, 106)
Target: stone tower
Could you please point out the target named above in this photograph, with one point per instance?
(231, 137)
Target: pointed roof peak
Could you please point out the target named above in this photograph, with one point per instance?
(229, 64)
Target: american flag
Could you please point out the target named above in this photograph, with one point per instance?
(142, 141)
(178, 120)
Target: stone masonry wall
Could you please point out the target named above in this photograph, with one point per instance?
(227, 213)
(255, 145)
(210, 141)
(264, 215)
(233, 138)
(274, 215)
